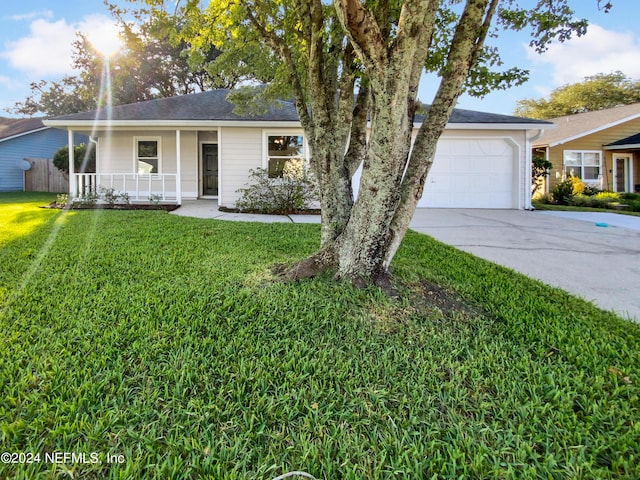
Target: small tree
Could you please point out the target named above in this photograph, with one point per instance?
(539, 171)
(84, 159)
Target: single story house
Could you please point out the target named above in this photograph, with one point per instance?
(195, 146)
(23, 139)
(602, 148)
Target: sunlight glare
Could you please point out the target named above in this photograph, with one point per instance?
(105, 38)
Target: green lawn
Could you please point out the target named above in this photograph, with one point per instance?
(570, 208)
(161, 347)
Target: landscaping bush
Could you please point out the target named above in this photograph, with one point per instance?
(590, 190)
(629, 197)
(578, 185)
(545, 199)
(539, 171)
(608, 196)
(563, 192)
(84, 162)
(582, 200)
(295, 191)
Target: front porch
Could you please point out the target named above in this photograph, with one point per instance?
(135, 187)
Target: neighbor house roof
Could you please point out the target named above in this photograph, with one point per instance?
(12, 128)
(572, 127)
(629, 142)
(213, 106)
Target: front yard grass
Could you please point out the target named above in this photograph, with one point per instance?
(161, 347)
(571, 208)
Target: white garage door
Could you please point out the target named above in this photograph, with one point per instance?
(471, 173)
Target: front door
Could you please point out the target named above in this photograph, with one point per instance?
(621, 173)
(210, 169)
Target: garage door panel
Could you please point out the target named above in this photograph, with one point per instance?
(471, 173)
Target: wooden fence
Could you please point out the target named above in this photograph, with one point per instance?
(43, 176)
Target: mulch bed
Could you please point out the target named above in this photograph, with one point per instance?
(131, 206)
(310, 211)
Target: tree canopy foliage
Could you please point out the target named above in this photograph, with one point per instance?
(596, 92)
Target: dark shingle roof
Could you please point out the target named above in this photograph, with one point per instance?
(214, 106)
(12, 127)
(632, 140)
(460, 115)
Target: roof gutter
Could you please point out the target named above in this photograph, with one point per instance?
(185, 124)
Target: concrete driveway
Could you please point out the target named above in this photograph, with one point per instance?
(587, 256)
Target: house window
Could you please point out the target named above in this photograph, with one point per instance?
(147, 155)
(583, 164)
(285, 155)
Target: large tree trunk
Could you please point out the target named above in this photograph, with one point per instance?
(336, 194)
(392, 179)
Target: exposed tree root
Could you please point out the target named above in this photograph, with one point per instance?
(317, 264)
(325, 261)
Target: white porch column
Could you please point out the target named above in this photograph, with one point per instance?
(178, 170)
(73, 193)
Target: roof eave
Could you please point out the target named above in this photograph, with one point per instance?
(169, 124)
(499, 126)
(627, 146)
(594, 130)
(186, 124)
(24, 133)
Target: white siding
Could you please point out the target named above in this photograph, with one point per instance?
(188, 163)
(240, 151)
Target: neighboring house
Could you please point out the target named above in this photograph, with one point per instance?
(602, 148)
(21, 139)
(195, 146)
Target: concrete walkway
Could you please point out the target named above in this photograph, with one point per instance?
(594, 256)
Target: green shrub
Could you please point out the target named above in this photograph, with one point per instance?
(545, 198)
(563, 192)
(629, 197)
(62, 199)
(84, 162)
(590, 190)
(293, 192)
(634, 206)
(582, 200)
(111, 197)
(608, 196)
(539, 171)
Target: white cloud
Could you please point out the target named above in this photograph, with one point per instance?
(31, 15)
(47, 50)
(599, 51)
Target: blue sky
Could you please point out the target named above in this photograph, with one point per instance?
(36, 36)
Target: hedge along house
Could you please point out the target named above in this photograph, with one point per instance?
(602, 148)
(195, 146)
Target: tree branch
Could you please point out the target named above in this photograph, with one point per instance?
(270, 37)
(363, 31)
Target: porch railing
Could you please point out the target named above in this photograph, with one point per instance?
(138, 187)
